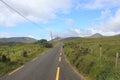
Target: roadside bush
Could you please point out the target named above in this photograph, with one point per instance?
(25, 54)
(0, 56)
(48, 45)
(45, 43)
(4, 58)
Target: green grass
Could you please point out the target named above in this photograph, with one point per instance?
(84, 55)
(15, 53)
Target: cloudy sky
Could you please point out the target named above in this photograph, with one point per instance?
(63, 18)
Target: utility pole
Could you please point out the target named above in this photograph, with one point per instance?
(51, 35)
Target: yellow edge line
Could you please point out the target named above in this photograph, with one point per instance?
(59, 59)
(16, 70)
(58, 73)
(34, 59)
(60, 54)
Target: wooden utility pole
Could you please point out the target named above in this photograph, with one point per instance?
(51, 35)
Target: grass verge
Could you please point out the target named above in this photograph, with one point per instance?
(84, 55)
(15, 55)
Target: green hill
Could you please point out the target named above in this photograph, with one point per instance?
(18, 39)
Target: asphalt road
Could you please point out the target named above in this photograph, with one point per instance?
(52, 65)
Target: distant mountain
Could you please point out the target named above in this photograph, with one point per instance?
(18, 39)
(97, 35)
(57, 39)
(118, 35)
(64, 39)
(69, 38)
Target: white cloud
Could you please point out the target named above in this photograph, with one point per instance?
(108, 22)
(106, 13)
(4, 34)
(35, 10)
(30, 36)
(75, 33)
(69, 21)
(99, 4)
(7, 17)
(112, 26)
(13, 34)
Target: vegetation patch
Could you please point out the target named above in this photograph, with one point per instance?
(95, 58)
(17, 54)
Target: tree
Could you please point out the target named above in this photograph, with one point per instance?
(44, 43)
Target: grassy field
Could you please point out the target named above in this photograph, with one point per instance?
(94, 58)
(17, 54)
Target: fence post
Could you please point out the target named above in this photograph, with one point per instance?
(100, 54)
(91, 51)
(117, 56)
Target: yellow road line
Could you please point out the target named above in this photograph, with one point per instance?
(58, 73)
(60, 54)
(60, 59)
(61, 49)
(16, 70)
(34, 59)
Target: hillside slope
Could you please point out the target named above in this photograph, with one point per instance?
(18, 39)
(94, 58)
(97, 35)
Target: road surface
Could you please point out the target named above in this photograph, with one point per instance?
(52, 65)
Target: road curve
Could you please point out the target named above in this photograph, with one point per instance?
(49, 66)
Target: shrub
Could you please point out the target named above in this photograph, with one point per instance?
(4, 58)
(25, 54)
(48, 45)
(45, 43)
(0, 56)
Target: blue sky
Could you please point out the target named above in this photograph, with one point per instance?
(64, 18)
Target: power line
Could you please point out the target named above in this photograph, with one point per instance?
(19, 13)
